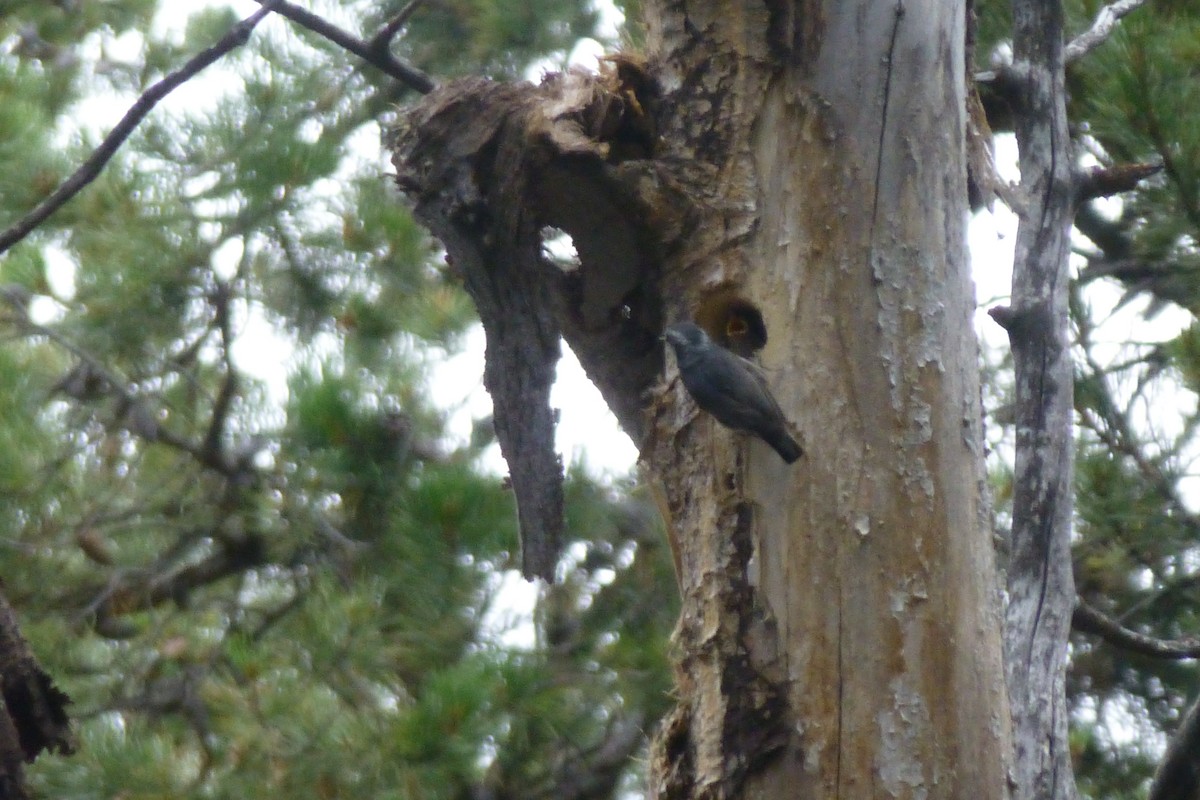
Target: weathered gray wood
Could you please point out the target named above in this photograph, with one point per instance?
(1040, 583)
(870, 621)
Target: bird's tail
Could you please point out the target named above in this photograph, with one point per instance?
(787, 447)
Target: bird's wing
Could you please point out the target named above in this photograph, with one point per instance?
(754, 391)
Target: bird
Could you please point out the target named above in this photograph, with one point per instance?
(730, 388)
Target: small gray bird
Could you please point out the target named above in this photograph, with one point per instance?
(730, 388)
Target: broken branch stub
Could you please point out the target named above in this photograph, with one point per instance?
(488, 167)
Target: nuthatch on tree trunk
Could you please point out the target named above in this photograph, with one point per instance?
(730, 388)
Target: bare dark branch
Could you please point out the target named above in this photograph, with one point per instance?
(238, 35)
(211, 447)
(1089, 619)
(367, 51)
(1106, 21)
(1106, 181)
(138, 591)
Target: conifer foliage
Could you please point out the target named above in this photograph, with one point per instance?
(235, 531)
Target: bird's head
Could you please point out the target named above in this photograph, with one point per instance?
(686, 336)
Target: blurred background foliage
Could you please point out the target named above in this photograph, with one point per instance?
(305, 590)
(302, 590)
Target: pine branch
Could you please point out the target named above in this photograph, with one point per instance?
(374, 52)
(597, 772)
(1089, 619)
(139, 590)
(1103, 26)
(237, 36)
(142, 420)
(1113, 430)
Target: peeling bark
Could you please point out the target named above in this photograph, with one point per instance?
(838, 208)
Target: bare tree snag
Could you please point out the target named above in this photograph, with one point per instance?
(1041, 586)
(872, 603)
(489, 167)
(500, 260)
(803, 163)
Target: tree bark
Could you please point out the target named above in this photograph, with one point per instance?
(1178, 776)
(33, 716)
(844, 615)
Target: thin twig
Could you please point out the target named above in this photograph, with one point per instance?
(237, 36)
(1102, 28)
(383, 60)
(1089, 619)
(221, 297)
(382, 39)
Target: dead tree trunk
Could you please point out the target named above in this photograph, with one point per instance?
(851, 601)
(1041, 586)
(793, 169)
